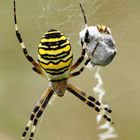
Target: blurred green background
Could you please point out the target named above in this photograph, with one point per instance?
(68, 118)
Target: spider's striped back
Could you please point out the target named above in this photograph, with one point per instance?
(55, 55)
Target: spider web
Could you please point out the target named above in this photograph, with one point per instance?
(66, 17)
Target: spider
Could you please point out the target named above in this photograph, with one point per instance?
(55, 63)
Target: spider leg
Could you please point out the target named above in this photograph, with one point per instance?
(83, 44)
(37, 112)
(85, 64)
(81, 69)
(80, 59)
(36, 66)
(83, 12)
(90, 101)
(78, 62)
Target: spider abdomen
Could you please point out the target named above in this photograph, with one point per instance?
(55, 55)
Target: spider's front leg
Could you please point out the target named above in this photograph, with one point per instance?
(36, 66)
(37, 112)
(90, 101)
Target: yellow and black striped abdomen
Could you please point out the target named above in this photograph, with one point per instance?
(55, 55)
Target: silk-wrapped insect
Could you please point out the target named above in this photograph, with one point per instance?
(98, 43)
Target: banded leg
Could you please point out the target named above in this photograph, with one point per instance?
(90, 101)
(78, 62)
(86, 39)
(36, 66)
(82, 43)
(81, 69)
(37, 112)
(80, 59)
(83, 12)
(91, 98)
(85, 64)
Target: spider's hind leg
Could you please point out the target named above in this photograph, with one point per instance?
(90, 101)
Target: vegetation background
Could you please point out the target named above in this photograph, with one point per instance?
(68, 118)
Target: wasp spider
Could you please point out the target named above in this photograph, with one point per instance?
(55, 63)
